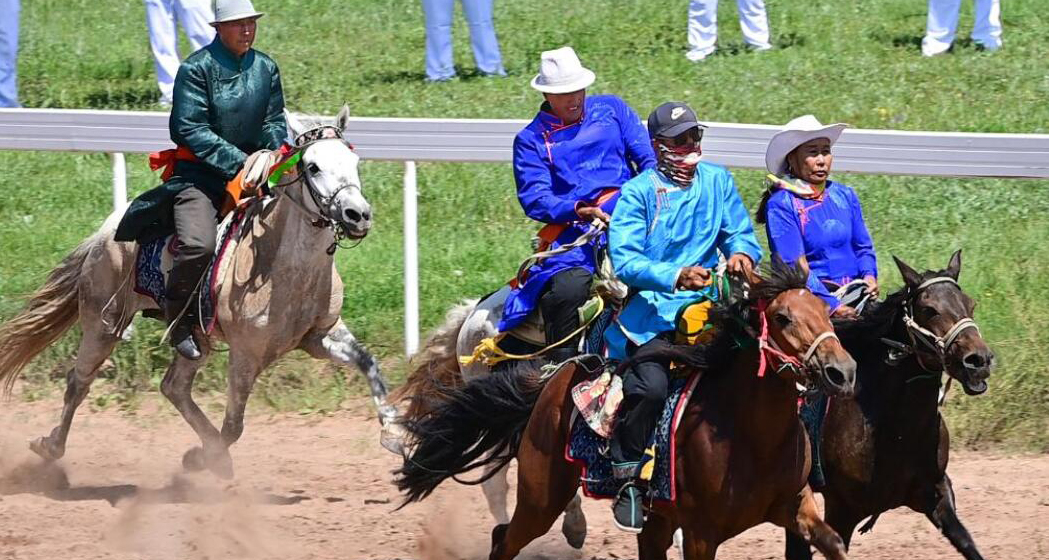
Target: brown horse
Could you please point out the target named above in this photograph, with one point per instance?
(742, 456)
(889, 447)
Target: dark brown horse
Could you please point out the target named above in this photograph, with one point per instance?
(742, 454)
(888, 448)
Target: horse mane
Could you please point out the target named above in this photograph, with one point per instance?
(728, 317)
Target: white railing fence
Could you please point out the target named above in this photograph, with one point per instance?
(891, 152)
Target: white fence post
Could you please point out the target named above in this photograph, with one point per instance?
(411, 262)
(119, 181)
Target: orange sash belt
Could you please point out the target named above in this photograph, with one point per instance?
(167, 159)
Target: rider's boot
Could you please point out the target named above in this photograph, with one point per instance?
(180, 310)
(628, 510)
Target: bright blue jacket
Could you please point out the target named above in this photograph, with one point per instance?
(557, 166)
(829, 231)
(658, 229)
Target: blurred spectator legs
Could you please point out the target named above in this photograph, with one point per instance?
(942, 25)
(162, 16)
(703, 26)
(9, 53)
(439, 62)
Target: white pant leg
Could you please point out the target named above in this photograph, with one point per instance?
(439, 62)
(482, 36)
(160, 18)
(702, 28)
(987, 29)
(754, 21)
(941, 26)
(195, 17)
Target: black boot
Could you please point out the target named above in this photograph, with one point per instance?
(182, 327)
(628, 510)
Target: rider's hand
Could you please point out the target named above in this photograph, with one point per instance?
(591, 213)
(257, 169)
(844, 312)
(693, 278)
(740, 264)
(872, 285)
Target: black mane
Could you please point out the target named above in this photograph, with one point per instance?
(728, 317)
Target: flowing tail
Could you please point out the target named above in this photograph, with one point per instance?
(478, 425)
(50, 312)
(435, 369)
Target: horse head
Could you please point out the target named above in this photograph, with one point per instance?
(328, 167)
(797, 333)
(938, 316)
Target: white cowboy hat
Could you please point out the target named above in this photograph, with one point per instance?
(794, 134)
(561, 72)
(232, 10)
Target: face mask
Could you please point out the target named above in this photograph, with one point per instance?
(679, 164)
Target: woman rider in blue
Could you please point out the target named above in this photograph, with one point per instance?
(812, 219)
(569, 163)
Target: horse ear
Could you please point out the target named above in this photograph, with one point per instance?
(955, 266)
(342, 120)
(294, 124)
(910, 276)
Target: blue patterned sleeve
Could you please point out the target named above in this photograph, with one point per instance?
(737, 232)
(534, 186)
(626, 243)
(784, 234)
(635, 137)
(862, 244)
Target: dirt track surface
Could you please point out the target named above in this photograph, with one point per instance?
(319, 487)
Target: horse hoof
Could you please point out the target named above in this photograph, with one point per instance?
(46, 448)
(574, 528)
(193, 460)
(221, 465)
(392, 437)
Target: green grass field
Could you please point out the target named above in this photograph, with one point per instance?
(856, 62)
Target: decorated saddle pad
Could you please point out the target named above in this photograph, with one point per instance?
(589, 448)
(155, 259)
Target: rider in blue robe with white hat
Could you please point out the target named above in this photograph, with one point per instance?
(569, 163)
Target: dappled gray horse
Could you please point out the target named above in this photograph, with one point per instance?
(279, 291)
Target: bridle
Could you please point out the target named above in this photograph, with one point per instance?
(938, 345)
(769, 351)
(321, 215)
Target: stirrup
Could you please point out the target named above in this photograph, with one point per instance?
(188, 348)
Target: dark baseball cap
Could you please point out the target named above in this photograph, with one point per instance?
(672, 118)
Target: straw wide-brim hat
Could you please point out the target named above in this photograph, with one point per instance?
(232, 10)
(561, 72)
(795, 133)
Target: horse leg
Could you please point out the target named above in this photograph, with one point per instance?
(495, 492)
(340, 346)
(177, 386)
(95, 346)
(545, 485)
(840, 519)
(574, 525)
(655, 538)
(943, 514)
(696, 546)
(806, 523)
(241, 375)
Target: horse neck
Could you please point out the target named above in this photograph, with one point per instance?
(287, 234)
(764, 409)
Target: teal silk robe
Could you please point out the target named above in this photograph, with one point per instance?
(224, 108)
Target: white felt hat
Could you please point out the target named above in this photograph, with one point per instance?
(232, 10)
(561, 72)
(794, 134)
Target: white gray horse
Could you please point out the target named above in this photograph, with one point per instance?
(279, 292)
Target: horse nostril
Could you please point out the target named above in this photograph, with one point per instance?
(835, 376)
(974, 360)
(352, 216)
(367, 215)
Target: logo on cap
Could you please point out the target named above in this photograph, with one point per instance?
(676, 113)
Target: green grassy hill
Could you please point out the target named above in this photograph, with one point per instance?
(856, 62)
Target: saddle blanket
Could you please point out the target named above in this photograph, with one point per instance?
(589, 448)
(155, 259)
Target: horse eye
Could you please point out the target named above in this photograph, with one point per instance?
(782, 320)
(313, 169)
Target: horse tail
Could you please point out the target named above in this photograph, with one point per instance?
(51, 310)
(436, 368)
(479, 425)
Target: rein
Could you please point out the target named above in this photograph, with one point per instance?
(938, 345)
(769, 351)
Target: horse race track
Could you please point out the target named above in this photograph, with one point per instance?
(318, 487)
